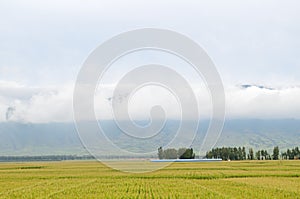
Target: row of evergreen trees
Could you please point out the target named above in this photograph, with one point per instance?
(239, 153)
(182, 153)
(290, 154)
(226, 153)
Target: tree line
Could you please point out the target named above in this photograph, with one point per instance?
(44, 158)
(239, 153)
(182, 153)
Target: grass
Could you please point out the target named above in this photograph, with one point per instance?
(88, 179)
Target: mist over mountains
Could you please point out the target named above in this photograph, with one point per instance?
(62, 138)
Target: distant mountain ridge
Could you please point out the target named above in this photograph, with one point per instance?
(257, 86)
(62, 138)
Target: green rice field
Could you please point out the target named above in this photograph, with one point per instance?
(91, 179)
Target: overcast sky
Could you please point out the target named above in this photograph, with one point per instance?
(44, 43)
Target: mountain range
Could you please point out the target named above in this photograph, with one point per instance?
(27, 139)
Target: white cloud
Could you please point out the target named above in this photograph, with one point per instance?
(33, 104)
(254, 102)
(55, 104)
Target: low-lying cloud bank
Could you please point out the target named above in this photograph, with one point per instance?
(54, 104)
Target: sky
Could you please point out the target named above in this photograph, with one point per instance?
(43, 45)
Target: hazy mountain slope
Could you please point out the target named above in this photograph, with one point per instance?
(62, 138)
(36, 139)
(261, 133)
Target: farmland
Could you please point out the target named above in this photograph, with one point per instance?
(90, 179)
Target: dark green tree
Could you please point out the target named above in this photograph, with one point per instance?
(170, 154)
(289, 154)
(160, 153)
(275, 153)
(184, 153)
(258, 155)
(251, 154)
(240, 154)
(244, 153)
(263, 155)
(181, 152)
(267, 155)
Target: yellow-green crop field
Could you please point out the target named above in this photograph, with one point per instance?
(88, 179)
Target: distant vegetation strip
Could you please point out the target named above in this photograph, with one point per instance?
(224, 153)
(66, 157)
(44, 158)
(230, 153)
(239, 153)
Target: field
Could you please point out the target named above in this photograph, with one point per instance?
(89, 179)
